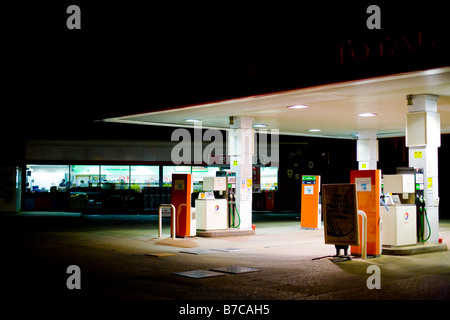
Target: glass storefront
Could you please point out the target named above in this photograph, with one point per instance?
(198, 173)
(144, 176)
(84, 176)
(115, 177)
(269, 178)
(169, 170)
(108, 187)
(47, 178)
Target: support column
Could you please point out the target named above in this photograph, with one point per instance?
(367, 150)
(423, 138)
(240, 150)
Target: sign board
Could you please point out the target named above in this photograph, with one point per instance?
(340, 210)
(308, 179)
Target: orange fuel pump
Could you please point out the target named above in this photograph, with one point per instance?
(181, 199)
(310, 208)
(368, 190)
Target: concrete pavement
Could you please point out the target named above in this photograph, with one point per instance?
(120, 257)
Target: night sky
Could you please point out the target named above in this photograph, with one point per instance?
(130, 58)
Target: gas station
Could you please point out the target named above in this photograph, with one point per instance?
(183, 152)
(387, 220)
(414, 105)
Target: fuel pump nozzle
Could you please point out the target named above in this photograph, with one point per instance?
(233, 210)
(420, 203)
(422, 217)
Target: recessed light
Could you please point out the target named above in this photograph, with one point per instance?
(313, 130)
(192, 120)
(259, 125)
(367, 114)
(298, 106)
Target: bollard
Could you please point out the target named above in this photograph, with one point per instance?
(173, 216)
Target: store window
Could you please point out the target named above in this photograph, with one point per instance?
(47, 178)
(84, 176)
(115, 177)
(169, 170)
(144, 176)
(269, 178)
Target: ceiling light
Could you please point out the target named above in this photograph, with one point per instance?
(260, 125)
(313, 130)
(367, 114)
(298, 106)
(192, 120)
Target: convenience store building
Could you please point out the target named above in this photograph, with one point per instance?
(96, 176)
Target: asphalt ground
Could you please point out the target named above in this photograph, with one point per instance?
(121, 258)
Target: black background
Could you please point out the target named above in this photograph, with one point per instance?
(135, 56)
(138, 56)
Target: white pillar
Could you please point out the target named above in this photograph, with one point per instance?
(423, 137)
(367, 150)
(240, 150)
